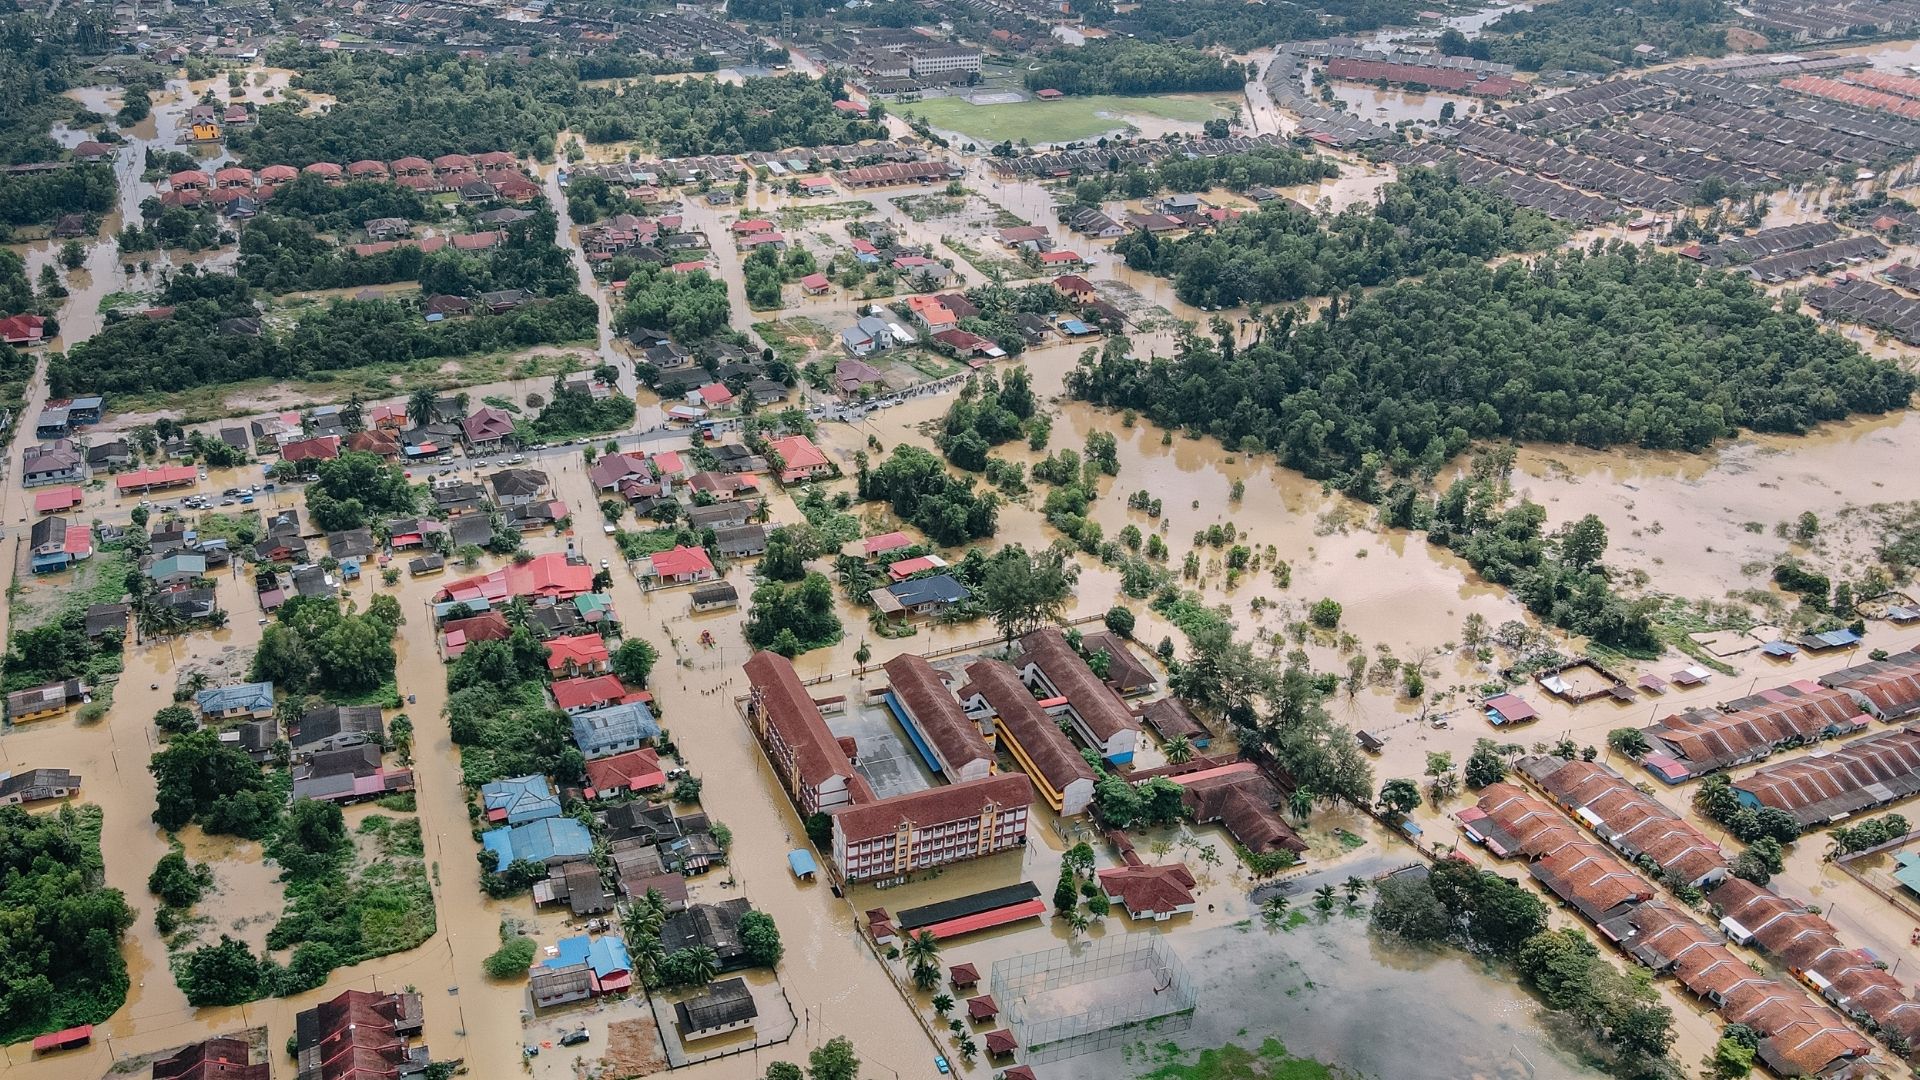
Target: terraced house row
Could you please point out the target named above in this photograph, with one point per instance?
(1691, 744)
(1798, 1036)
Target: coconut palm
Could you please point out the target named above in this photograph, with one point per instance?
(1179, 750)
(420, 405)
(1300, 803)
(922, 948)
(1274, 909)
(1323, 898)
(1354, 886)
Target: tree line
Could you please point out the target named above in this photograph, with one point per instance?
(192, 348)
(1601, 348)
(1424, 222)
(429, 105)
(1267, 166)
(60, 962)
(1242, 27)
(1594, 35)
(1125, 66)
(282, 254)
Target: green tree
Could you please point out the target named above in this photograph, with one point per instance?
(633, 661)
(833, 1060)
(1022, 592)
(177, 882)
(1486, 765)
(511, 960)
(1325, 613)
(761, 939)
(1399, 796)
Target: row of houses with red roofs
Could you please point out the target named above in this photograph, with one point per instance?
(479, 177)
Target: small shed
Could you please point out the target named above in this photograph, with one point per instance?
(983, 1008)
(1368, 741)
(70, 1039)
(1652, 684)
(963, 976)
(1001, 1042)
(1780, 650)
(800, 861)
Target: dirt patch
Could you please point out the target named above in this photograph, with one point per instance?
(1743, 40)
(633, 1049)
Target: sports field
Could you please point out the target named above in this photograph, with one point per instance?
(1065, 120)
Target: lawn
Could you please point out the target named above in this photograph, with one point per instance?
(1066, 120)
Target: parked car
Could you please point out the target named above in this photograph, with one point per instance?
(575, 1037)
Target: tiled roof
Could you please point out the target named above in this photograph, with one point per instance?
(1632, 820)
(1863, 773)
(1094, 700)
(791, 711)
(935, 711)
(934, 806)
(1039, 737)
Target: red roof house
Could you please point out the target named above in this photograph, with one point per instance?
(800, 459)
(578, 653)
(635, 770)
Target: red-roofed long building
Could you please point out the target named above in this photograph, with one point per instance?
(873, 837)
(935, 717)
(1048, 664)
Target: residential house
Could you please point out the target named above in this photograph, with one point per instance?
(715, 926)
(717, 596)
(869, 335)
(57, 464)
(679, 565)
(741, 541)
(553, 842)
(335, 727)
(348, 775)
(488, 430)
(54, 545)
(615, 729)
(519, 800)
(726, 1006)
(310, 452)
(240, 701)
(517, 487)
(1075, 288)
(37, 785)
(630, 772)
(801, 460)
(920, 596)
(50, 699)
(111, 454)
(581, 654)
(458, 498)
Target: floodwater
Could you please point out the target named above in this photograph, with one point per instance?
(1329, 989)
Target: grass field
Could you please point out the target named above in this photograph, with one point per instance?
(1066, 120)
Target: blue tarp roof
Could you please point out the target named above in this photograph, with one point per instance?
(607, 954)
(801, 863)
(1780, 648)
(537, 841)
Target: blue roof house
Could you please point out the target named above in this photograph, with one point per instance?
(607, 955)
(552, 841)
(230, 702)
(615, 729)
(519, 800)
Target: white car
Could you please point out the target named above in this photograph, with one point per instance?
(604, 563)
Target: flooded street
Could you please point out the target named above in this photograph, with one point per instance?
(1687, 521)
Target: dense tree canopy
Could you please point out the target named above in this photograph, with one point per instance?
(190, 348)
(923, 493)
(60, 961)
(1596, 35)
(688, 306)
(203, 779)
(281, 254)
(432, 104)
(1268, 166)
(1126, 66)
(1425, 221)
(1241, 26)
(316, 646)
(790, 619)
(1602, 349)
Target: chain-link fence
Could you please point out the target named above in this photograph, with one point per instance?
(1093, 995)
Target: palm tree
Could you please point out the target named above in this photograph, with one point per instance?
(1179, 750)
(922, 948)
(1354, 886)
(1274, 909)
(1323, 898)
(942, 1004)
(519, 610)
(1300, 803)
(702, 964)
(420, 405)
